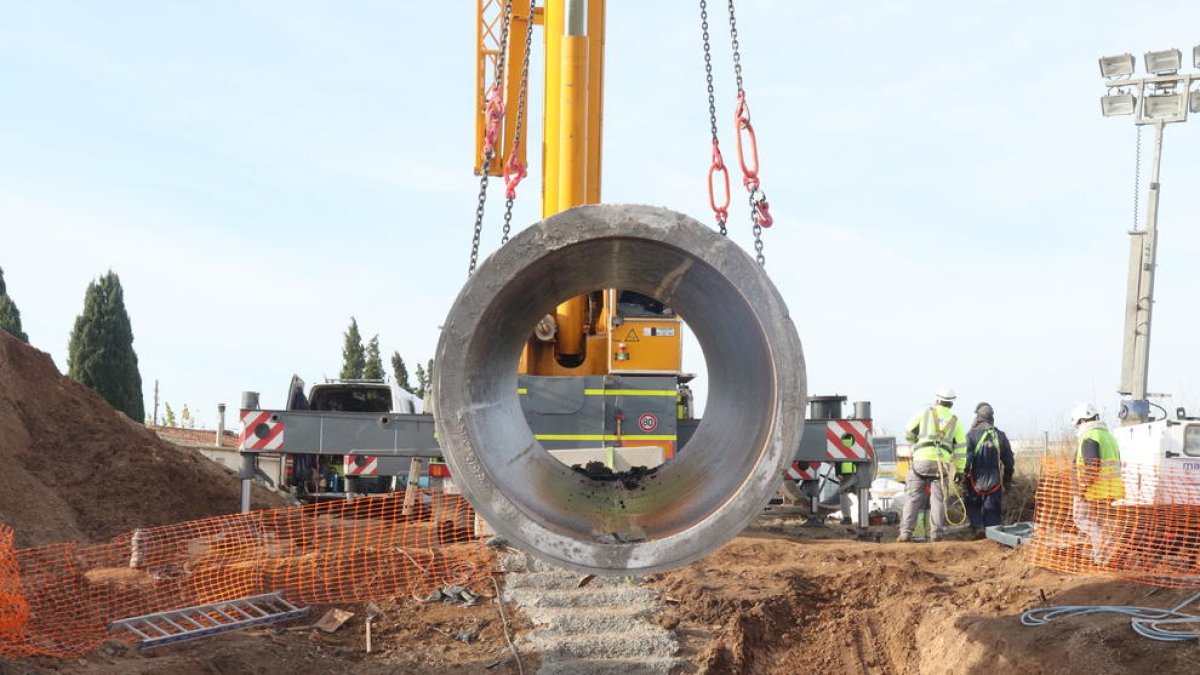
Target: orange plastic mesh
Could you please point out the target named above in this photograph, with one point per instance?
(14, 610)
(1151, 536)
(58, 600)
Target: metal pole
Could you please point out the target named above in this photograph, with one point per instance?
(220, 423)
(1145, 301)
(246, 474)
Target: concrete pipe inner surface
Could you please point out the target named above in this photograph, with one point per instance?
(715, 485)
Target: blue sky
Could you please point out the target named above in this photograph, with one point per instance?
(950, 205)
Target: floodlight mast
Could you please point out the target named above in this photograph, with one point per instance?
(1143, 248)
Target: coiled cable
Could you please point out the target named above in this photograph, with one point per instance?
(1150, 622)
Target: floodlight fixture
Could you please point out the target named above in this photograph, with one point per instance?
(1194, 101)
(1118, 104)
(1164, 62)
(1162, 106)
(1117, 66)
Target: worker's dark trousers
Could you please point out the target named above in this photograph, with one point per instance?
(983, 510)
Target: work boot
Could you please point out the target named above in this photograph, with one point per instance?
(847, 521)
(935, 538)
(979, 533)
(904, 538)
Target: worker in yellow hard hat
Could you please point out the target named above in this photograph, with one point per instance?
(938, 437)
(1097, 478)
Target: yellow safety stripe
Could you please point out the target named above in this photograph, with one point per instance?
(603, 437)
(630, 392)
(620, 392)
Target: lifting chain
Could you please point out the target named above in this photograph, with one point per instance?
(747, 144)
(747, 149)
(514, 169)
(717, 167)
(493, 111)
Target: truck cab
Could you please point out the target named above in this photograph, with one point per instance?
(314, 475)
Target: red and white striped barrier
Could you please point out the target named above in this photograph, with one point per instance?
(361, 465)
(260, 431)
(848, 440)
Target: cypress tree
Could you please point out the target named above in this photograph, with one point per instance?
(373, 369)
(400, 371)
(354, 357)
(421, 382)
(10, 316)
(100, 355)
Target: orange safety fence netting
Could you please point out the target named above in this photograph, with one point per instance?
(58, 600)
(1150, 535)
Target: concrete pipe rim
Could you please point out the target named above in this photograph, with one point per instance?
(709, 492)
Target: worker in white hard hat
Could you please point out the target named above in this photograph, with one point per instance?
(1097, 479)
(937, 436)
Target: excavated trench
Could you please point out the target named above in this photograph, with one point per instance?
(815, 602)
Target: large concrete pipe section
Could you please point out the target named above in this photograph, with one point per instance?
(715, 485)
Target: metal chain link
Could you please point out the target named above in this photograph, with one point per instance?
(712, 101)
(516, 145)
(757, 199)
(758, 243)
(1137, 178)
(737, 57)
(489, 154)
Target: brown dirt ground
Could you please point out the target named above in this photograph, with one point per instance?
(782, 601)
(778, 599)
(75, 469)
(409, 637)
(789, 600)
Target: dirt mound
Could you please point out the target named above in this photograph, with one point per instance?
(73, 468)
(770, 604)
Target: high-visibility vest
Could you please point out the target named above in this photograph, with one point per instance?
(1108, 485)
(939, 438)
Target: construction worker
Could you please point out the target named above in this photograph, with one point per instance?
(1097, 478)
(937, 436)
(988, 472)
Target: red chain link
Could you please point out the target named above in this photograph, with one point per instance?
(741, 119)
(761, 213)
(493, 112)
(718, 168)
(514, 171)
(760, 210)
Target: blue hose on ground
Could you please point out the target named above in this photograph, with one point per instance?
(1148, 622)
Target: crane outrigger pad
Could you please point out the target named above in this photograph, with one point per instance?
(715, 485)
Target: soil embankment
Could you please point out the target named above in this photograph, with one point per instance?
(74, 469)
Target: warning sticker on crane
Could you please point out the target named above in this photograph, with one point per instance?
(848, 439)
(632, 337)
(648, 422)
(260, 431)
(803, 471)
(361, 465)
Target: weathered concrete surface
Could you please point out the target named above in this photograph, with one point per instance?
(715, 486)
(598, 629)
